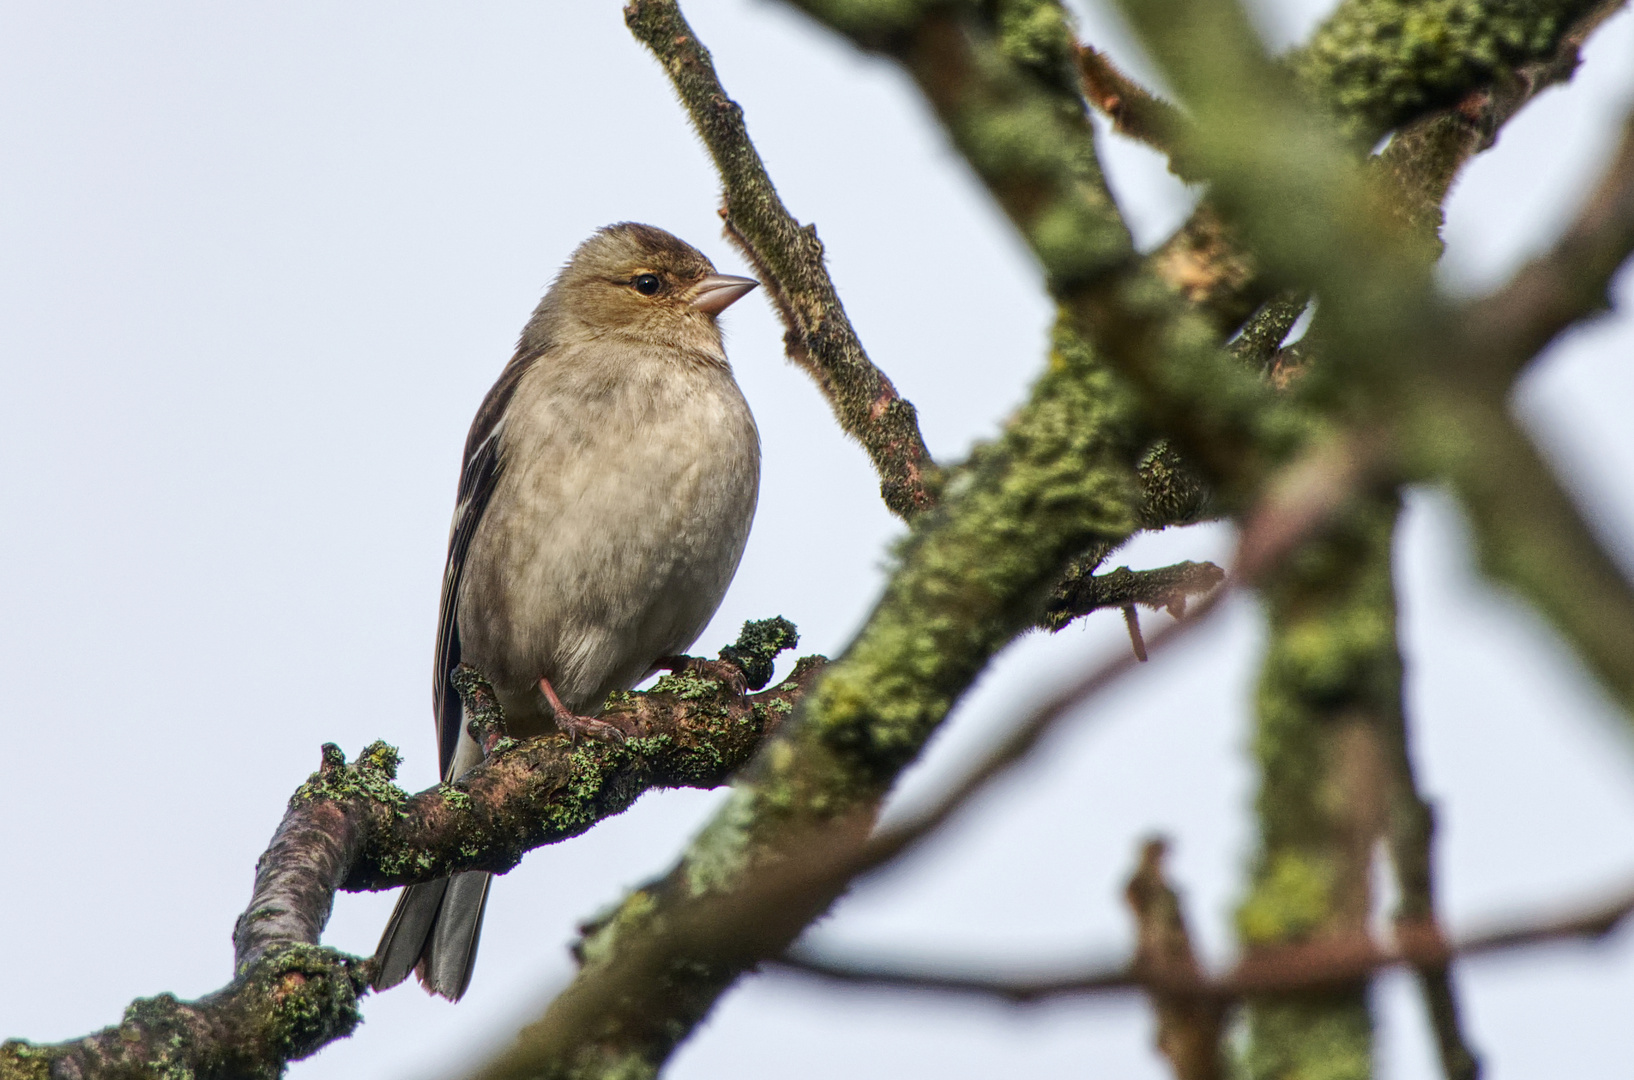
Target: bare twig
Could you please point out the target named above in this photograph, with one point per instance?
(1287, 969)
(1507, 329)
(888, 843)
(1189, 1029)
(1411, 841)
(789, 259)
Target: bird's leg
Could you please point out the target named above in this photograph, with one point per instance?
(576, 725)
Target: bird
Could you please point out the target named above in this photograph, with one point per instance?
(605, 497)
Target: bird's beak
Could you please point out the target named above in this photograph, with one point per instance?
(717, 292)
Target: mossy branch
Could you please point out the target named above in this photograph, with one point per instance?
(349, 827)
(1134, 110)
(789, 259)
(1003, 80)
(1379, 64)
(285, 1006)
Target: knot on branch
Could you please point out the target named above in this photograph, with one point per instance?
(302, 996)
(484, 716)
(370, 776)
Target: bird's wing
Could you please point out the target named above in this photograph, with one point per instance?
(479, 475)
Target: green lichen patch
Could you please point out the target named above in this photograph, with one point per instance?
(23, 1061)
(1378, 63)
(688, 685)
(1294, 900)
(369, 777)
(307, 995)
(757, 647)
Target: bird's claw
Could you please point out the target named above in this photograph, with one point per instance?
(590, 727)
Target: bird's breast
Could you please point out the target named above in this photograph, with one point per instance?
(618, 520)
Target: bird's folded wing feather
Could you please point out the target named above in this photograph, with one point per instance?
(479, 475)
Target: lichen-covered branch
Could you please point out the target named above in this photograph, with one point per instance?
(283, 1007)
(1208, 264)
(1330, 681)
(789, 259)
(1378, 64)
(1391, 346)
(350, 827)
(1134, 110)
(1167, 587)
(1005, 84)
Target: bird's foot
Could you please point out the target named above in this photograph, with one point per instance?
(590, 728)
(575, 725)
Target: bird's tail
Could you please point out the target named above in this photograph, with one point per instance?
(434, 933)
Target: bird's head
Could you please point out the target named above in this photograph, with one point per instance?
(642, 284)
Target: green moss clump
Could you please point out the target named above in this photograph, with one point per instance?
(687, 685)
(1317, 1037)
(1378, 63)
(1295, 900)
(757, 647)
(1171, 493)
(309, 994)
(369, 777)
(1038, 34)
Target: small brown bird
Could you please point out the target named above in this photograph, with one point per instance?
(609, 481)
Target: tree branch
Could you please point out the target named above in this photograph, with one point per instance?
(1134, 110)
(1366, 64)
(789, 260)
(1565, 286)
(1166, 587)
(1317, 965)
(350, 827)
(1190, 1030)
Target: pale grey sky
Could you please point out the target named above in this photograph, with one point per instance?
(258, 264)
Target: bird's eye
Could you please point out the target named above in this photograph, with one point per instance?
(646, 284)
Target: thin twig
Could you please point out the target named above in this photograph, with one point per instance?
(1134, 110)
(1166, 587)
(1280, 970)
(1189, 1029)
(1411, 836)
(1556, 291)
